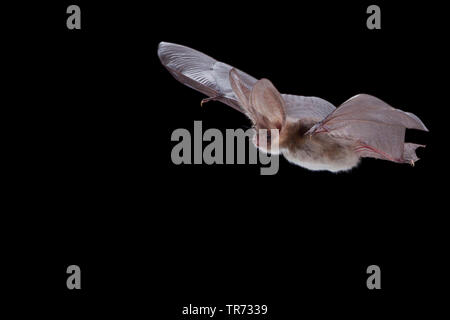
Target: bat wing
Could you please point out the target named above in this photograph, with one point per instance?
(377, 129)
(212, 78)
(202, 73)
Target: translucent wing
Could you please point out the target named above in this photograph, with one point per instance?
(312, 109)
(201, 72)
(211, 77)
(377, 128)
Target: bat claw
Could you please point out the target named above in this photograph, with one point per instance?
(412, 163)
(207, 100)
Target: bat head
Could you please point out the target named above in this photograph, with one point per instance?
(264, 105)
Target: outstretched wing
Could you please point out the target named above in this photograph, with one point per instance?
(312, 109)
(202, 73)
(211, 77)
(377, 128)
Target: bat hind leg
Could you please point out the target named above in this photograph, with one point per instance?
(409, 153)
(209, 99)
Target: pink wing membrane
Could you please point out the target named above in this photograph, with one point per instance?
(377, 128)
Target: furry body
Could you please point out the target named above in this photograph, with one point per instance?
(316, 152)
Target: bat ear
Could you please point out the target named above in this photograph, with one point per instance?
(262, 103)
(268, 105)
(241, 91)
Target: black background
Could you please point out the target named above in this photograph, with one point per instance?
(93, 183)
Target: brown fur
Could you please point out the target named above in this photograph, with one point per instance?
(316, 152)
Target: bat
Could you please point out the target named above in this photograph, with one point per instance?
(312, 132)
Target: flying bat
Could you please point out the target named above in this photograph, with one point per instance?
(312, 132)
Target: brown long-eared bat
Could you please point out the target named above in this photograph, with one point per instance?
(312, 132)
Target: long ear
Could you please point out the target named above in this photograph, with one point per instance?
(268, 105)
(242, 93)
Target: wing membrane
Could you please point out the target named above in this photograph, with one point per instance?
(211, 77)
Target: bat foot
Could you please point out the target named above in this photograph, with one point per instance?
(207, 100)
(412, 163)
